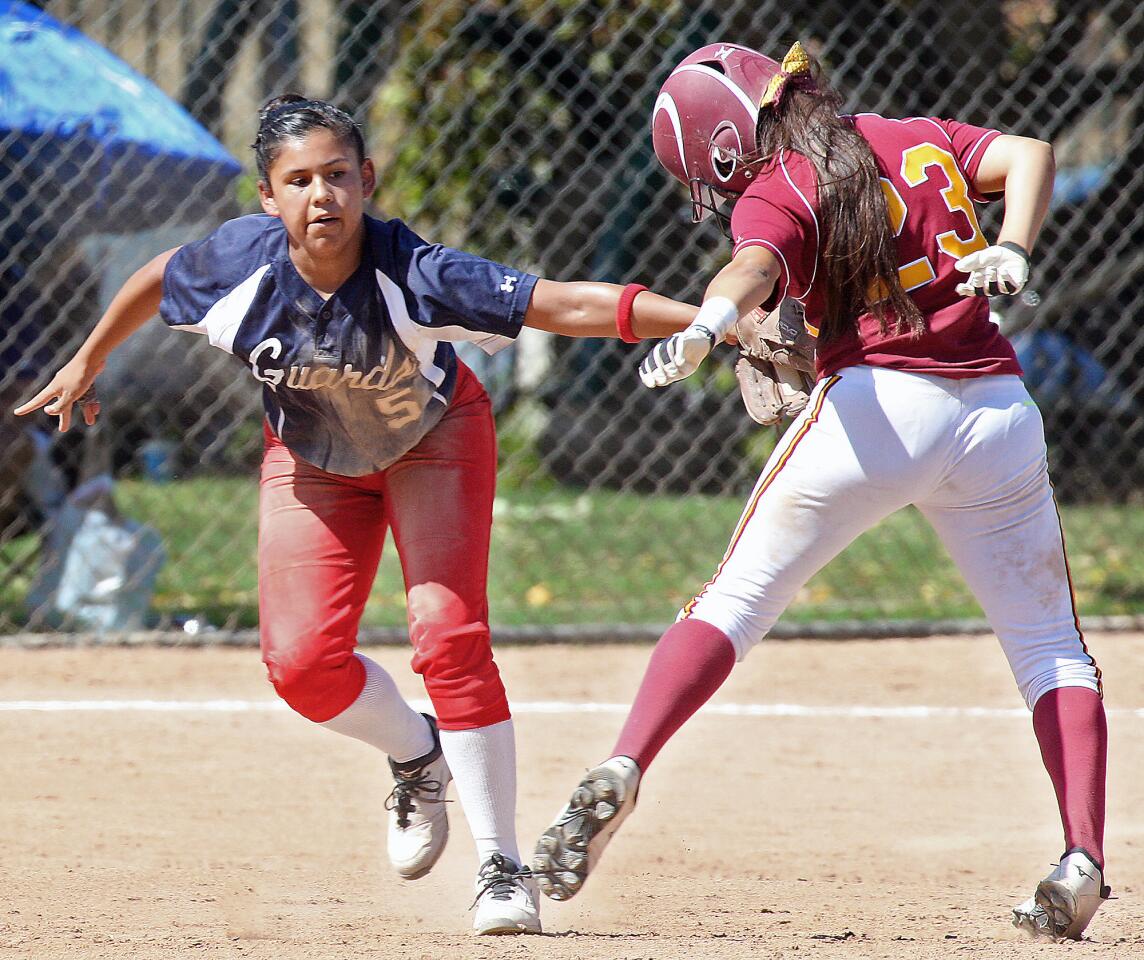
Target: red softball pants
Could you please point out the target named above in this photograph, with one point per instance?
(320, 541)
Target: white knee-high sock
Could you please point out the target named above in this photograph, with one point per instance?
(483, 764)
(381, 717)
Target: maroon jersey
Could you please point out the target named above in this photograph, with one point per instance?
(927, 169)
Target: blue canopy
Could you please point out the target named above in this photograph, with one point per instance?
(112, 146)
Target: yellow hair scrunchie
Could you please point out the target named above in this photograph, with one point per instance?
(796, 63)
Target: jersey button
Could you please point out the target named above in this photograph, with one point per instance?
(325, 314)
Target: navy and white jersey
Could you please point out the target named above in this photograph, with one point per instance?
(352, 383)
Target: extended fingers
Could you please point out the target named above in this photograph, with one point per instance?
(56, 402)
(36, 402)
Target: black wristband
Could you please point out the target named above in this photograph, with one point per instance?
(1016, 248)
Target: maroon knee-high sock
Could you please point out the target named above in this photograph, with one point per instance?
(1073, 735)
(690, 662)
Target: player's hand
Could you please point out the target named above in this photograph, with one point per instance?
(1001, 269)
(73, 384)
(676, 357)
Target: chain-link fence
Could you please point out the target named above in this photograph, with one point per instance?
(518, 130)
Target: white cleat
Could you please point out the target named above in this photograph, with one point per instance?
(418, 823)
(569, 849)
(506, 899)
(1065, 901)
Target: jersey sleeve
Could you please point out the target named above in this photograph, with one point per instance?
(968, 144)
(778, 212)
(205, 273)
(449, 294)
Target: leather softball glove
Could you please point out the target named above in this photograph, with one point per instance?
(776, 362)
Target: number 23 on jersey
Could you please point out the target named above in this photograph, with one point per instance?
(918, 163)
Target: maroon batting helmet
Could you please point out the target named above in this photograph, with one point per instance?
(703, 124)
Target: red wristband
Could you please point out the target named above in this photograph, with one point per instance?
(624, 312)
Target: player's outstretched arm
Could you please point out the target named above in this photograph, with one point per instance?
(135, 303)
(741, 286)
(589, 309)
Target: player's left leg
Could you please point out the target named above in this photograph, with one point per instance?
(996, 515)
(439, 501)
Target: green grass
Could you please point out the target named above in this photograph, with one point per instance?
(562, 556)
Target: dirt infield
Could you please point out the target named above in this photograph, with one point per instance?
(198, 827)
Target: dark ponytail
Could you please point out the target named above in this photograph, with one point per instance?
(292, 116)
(859, 253)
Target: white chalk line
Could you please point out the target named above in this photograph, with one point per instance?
(920, 711)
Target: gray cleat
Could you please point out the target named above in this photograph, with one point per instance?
(569, 849)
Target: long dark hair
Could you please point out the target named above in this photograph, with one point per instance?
(292, 116)
(859, 252)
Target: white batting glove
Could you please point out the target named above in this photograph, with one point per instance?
(676, 357)
(681, 354)
(1001, 269)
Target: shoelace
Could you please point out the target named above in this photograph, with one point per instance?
(498, 878)
(409, 788)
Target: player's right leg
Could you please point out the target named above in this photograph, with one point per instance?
(996, 516)
(320, 540)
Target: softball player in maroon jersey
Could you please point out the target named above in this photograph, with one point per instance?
(870, 223)
(371, 424)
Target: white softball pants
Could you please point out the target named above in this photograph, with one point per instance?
(969, 454)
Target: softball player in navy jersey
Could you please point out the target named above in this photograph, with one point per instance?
(371, 424)
(868, 222)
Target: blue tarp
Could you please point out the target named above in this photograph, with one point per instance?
(119, 150)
